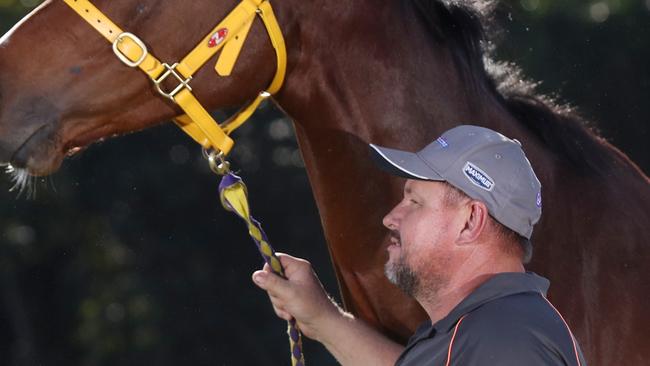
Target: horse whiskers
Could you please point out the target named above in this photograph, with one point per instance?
(23, 182)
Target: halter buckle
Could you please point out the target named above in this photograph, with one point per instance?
(182, 83)
(125, 59)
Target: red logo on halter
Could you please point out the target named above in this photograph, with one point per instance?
(218, 37)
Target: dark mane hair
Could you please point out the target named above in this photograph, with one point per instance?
(467, 28)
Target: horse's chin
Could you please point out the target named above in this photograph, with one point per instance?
(41, 164)
(28, 163)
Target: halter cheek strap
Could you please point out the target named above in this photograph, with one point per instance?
(228, 36)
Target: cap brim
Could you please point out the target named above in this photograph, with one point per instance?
(402, 163)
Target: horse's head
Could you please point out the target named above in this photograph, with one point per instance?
(62, 87)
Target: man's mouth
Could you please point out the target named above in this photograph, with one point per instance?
(394, 240)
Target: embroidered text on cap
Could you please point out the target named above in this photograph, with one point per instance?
(478, 177)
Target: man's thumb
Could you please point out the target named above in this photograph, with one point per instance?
(269, 282)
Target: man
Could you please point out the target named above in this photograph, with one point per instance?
(459, 239)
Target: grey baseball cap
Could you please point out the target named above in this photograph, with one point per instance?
(484, 164)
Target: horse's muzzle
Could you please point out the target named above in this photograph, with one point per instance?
(38, 153)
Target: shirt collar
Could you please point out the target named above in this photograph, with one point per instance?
(499, 285)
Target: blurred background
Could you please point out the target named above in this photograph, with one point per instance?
(126, 257)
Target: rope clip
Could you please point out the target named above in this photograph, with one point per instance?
(218, 164)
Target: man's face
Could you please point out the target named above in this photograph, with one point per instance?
(423, 231)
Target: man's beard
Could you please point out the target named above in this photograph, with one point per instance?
(401, 275)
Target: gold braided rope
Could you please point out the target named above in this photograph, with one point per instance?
(234, 197)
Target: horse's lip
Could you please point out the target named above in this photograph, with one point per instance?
(82, 140)
(19, 153)
(42, 152)
(38, 154)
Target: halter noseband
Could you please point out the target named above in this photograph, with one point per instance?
(229, 36)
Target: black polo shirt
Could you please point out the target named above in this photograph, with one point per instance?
(505, 321)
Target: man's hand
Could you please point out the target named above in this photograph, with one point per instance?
(300, 296)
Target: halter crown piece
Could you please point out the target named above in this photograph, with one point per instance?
(229, 37)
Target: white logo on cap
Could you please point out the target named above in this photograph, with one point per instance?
(478, 177)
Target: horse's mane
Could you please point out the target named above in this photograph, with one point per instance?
(467, 28)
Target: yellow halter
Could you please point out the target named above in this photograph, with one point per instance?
(229, 36)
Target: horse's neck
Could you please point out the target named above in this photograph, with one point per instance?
(347, 88)
(371, 69)
(350, 87)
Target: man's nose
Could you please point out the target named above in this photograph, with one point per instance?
(391, 220)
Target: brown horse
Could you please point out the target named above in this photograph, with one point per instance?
(395, 73)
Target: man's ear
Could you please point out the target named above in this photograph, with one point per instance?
(475, 222)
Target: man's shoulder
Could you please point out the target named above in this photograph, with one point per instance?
(517, 329)
(516, 313)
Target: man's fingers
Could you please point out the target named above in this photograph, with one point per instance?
(293, 265)
(274, 286)
(283, 315)
(286, 259)
(291, 296)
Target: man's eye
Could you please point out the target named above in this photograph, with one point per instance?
(414, 201)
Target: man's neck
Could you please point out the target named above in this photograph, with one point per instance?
(461, 285)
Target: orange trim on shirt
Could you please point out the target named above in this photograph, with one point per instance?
(451, 343)
(575, 347)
